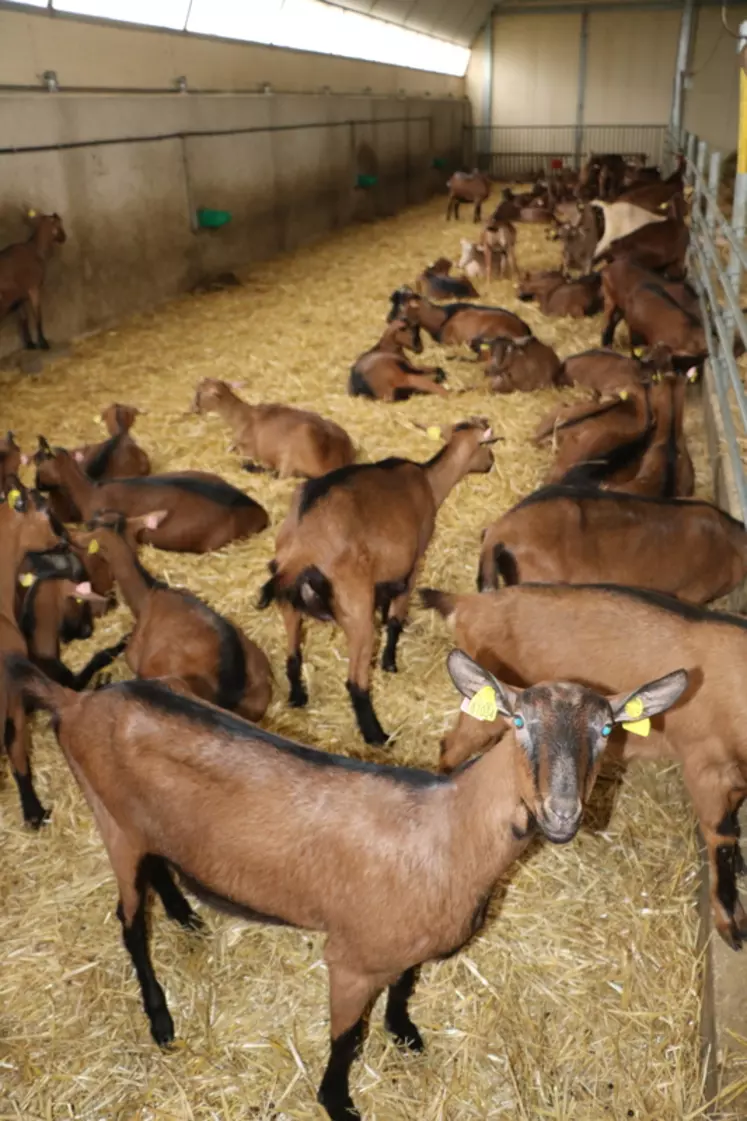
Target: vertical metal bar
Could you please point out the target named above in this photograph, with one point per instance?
(683, 56)
(583, 53)
(699, 178)
(739, 209)
(714, 177)
(690, 153)
(488, 92)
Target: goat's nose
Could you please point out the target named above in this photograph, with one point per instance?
(562, 812)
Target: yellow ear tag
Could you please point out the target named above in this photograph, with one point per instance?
(78, 600)
(484, 346)
(623, 395)
(26, 580)
(638, 351)
(433, 433)
(32, 214)
(14, 496)
(634, 708)
(482, 706)
(93, 547)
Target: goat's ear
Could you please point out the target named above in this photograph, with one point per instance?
(650, 699)
(471, 679)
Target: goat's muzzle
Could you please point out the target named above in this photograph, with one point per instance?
(559, 819)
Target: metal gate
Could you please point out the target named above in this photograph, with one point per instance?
(521, 152)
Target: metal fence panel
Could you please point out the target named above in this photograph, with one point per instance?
(520, 152)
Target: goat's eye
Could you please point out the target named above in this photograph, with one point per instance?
(518, 722)
(606, 730)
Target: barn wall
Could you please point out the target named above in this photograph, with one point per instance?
(127, 206)
(712, 104)
(631, 57)
(535, 69)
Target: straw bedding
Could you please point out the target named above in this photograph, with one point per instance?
(579, 999)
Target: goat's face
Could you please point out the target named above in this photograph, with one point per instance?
(117, 417)
(46, 460)
(10, 456)
(398, 300)
(407, 335)
(561, 731)
(38, 534)
(208, 395)
(476, 437)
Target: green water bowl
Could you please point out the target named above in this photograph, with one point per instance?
(439, 162)
(366, 181)
(212, 219)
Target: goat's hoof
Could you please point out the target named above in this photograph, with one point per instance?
(298, 698)
(193, 922)
(37, 817)
(162, 1027)
(388, 664)
(340, 1107)
(405, 1034)
(376, 738)
(440, 375)
(43, 344)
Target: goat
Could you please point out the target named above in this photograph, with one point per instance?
(523, 364)
(43, 620)
(559, 295)
(656, 196)
(593, 634)
(498, 239)
(352, 542)
(11, 459)
(580, 240)
(605, 442)
(654, 310)
(385, 373)
(435, 283)
(666, 469)
(661, 247)
(204, 511)
(119, 456)
(604, 372)
(472, 260)
(27, 539)
(22, 268)
(620, 220)
(456, 323)
(395, 865)
(177, 635)
(577, 535)
(464, 186)
(601, 175)
(286, 440)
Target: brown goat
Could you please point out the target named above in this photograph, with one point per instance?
(352, 542)
(385, 373)
(666, 469)
(204, 511)
(576, 535)
(606, 442)
(465, 186)
(605, 372)
(277, 437)
(396, 866)
(22, 268)
(660, 246)
(118, 457)
(456, 323)
(28, 539)
(654, 310)
(522, 364)
(498, 239)
(656, 196)
(559, 295)
(10, 459)
(607, 637)
(435, 283)
(177, 635)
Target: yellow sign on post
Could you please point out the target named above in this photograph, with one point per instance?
(741, 155)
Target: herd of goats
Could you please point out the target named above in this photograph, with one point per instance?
(589, 624)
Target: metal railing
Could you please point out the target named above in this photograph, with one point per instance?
(518, 152)
(718, 286)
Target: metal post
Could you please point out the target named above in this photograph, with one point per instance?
(739, 210)
(683, 56)
(690, 153)
(714, 177)
(700, 177)
(583, 53)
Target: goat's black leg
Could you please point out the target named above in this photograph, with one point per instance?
(23, 322)
(174, 902)
(608, 335)
(334, 1089)
(135, 937)
(397, 1018)
(17, 745)
(293, 620)
(368, 721)
(389, 657)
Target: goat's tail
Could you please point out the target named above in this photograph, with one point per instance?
(442, 602)
(35, 687)
(310, 592)
(496, 561)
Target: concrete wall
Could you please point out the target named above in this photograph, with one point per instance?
(127, 206)
(535, 69)
(631, 61)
